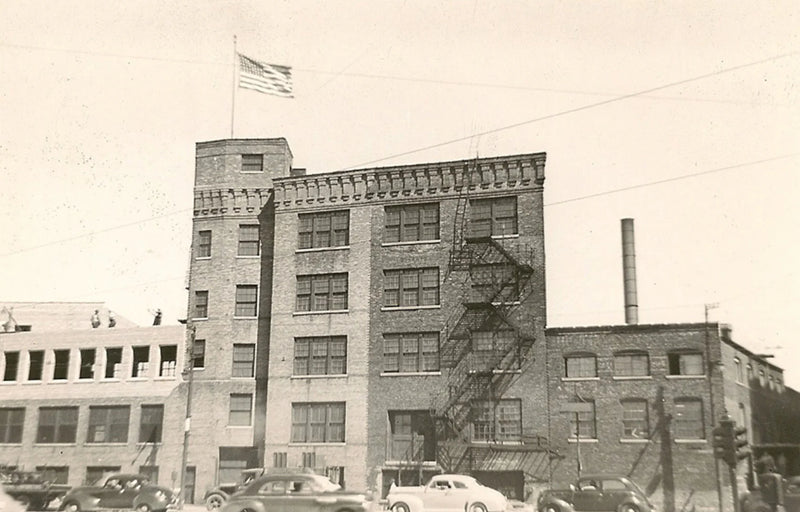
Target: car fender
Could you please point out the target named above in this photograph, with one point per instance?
(562, 504)
(249, 504)
(413, 502)
(643, 505)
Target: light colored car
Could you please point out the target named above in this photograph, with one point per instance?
(447, 493)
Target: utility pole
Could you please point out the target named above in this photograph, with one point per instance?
(187, 425)
(711, 367)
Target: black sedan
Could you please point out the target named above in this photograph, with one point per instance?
(302, 491)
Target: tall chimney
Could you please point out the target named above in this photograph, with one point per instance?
(629, 273)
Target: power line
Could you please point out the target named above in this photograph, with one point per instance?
(578, 109)
(676, 178)
(397, 78)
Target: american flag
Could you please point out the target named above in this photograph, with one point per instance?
(266, 78)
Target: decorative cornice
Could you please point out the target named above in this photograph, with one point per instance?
(413, 181)
(221, 201)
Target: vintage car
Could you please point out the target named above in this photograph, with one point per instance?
(30, 488)
(120, 491)
(299, 491)
(217, 496)
(446, 493)
(594, 493)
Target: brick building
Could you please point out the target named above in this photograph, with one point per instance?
(79, 402)
(387, 317)
(649, 398)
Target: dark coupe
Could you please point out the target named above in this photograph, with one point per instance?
(596, 493)
(120, 491)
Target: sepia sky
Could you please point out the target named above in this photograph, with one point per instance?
(682, 115)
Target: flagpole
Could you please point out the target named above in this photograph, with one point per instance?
(233, 89)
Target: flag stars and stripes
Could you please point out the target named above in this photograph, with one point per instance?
(266, 78)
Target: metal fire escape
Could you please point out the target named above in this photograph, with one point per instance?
(496, 277)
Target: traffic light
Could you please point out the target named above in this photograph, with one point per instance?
(740, 444)
(723, 442)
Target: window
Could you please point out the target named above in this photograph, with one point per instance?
(36, 358)
(413, 435)
(279, 459)
(685, 363)
(54, 474)
(97, 474)
(688, 421)
(631, 364)
(113, 363)
(244, 356)
(201, 304)
(581, 366)
(87, 363)
(12, 366)
(326, 229)
(582, 423)
(411, 287)
(57, 425)
(151, 423)
(12, 420)
(232, 460)
(322, 355)
(149, 472)
(318, 422)
(249, 242)
(108, 424)
(494, 350)
(322, 292)
(61, 365)
(749, 373)
(240, 413)
(252, 163)
(204, 244)
(246, 300)
(141, 361)
(496, 282)
(739, 370)
(169, 360)
(741, 419)
(499, 420)
(199, 354)
(411, 223)
(493, 217)
(635, 419)
(411, 352)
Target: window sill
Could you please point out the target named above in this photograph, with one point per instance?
(319, 443)
(9, 382)
(59, 381)
(690, 441)
(332, 376)
(29, 382)
(166, 377)
(411, 374)
(10, 444)
(579, 379)
(242, 378)
(634, 441)
(252, 172)
(199, 319)
(201, 258)
(501, 237)
(583, 440)
(108, 443)
(328, 312)
(246, 317)
(38, 443)
(409, 308)
(84, 381)
(412, 242)
(684, 377)
(322, 249)
(148, 443)
(633, 377)
(240, 427)
(110, 380)
(247, 257)
(138, 379)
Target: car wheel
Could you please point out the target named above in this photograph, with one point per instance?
(71, 507)
(477, 507)
(214, 501)
(143, 507)
(400, 507)
(628, 507)
(551, 508)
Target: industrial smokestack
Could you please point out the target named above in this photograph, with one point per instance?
(629, 273)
